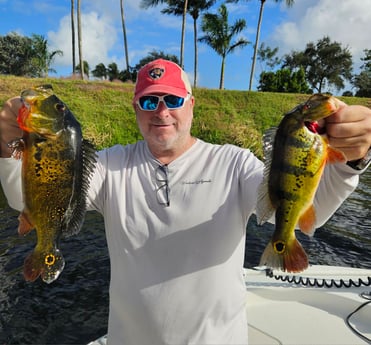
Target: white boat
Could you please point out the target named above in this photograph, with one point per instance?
(280, 312)
(324, 305)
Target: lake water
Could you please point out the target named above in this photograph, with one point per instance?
(74, 308)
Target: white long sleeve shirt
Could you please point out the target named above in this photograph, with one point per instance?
(177, 270)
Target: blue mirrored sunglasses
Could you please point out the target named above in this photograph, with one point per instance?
(151, 102)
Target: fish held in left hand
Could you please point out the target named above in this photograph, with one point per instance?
(293, 169)
(57, 165)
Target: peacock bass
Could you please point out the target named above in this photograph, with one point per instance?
(293, 170)
(57, 165)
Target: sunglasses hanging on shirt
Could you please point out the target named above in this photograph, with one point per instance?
(163, 190)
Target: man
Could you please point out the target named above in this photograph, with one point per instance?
(176, 210)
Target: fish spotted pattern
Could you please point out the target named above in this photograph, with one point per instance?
(57, 164)
(294, 166)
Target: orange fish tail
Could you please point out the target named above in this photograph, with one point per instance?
(295, 259)
(48, 265)
(292, 259)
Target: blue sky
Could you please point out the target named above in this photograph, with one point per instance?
(345, 21)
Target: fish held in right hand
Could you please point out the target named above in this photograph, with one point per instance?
(296, 155)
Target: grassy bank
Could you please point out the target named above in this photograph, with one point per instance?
(105, 111)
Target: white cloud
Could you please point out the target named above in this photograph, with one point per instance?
(111, 8)
(102, 34)
(99, 36)
(344, 21)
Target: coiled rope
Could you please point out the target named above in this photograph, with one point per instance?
(316, 282)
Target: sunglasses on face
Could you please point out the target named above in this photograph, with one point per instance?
(151, 102)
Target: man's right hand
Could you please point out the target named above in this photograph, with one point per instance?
(9, 129)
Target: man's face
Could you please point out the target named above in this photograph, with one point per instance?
(164, 128)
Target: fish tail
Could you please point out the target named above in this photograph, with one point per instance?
(48, 265)
(291, 257)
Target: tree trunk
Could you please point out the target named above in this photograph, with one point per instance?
(73, 36)
(196, 53)
(124, 33)
(256, 43)
(221, 83)
(80, 38)
(183, 34)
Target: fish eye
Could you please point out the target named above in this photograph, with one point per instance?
(60, 107)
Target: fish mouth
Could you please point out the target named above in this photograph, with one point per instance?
(29, 96)
(45, 90)
(314, 127)
(29, 118)
(23, 114)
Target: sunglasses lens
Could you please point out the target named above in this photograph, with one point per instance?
(148, 102)
(173, 102)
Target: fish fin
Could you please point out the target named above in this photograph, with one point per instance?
(53, 266)
(75, 214)
(270, 258)
(25, 225)
(268, 140)
(32, 267)
(264, 207)
(307, 221)
(48, 265)
(292, 259)
(295, 258)
(335, 155)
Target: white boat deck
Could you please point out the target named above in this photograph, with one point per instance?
(286, 313)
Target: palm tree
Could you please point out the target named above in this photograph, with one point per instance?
(79, 34)
(219, 35)
(86, 68)
(100, 71)
(42, 58)
(154, 55)
(184, 5)
(289, 3)
(124, 33)
(113, 71)
(195, 7)
(73, 36)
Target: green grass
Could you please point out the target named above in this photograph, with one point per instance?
(105, 111)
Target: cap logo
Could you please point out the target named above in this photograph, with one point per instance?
(156, 73)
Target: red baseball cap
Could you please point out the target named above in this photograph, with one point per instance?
(162, 76)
